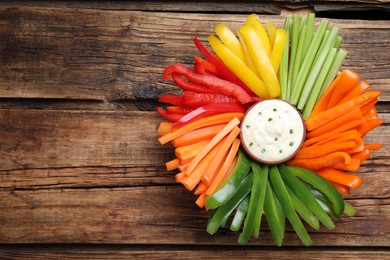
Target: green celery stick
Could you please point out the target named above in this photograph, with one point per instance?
(312, 99)
(302, 22)
(294, 46)
(309, 35)
(324, 40)
(298, 55)
(283, 69)
(338, 42)
(340, 56)
(308, 61)
(314, 73)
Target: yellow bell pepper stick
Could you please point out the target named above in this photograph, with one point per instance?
(238, 67)
(278, 49)
(254, 21)
(261, 59)
(249, 61)
(230, 40)
(271, 30)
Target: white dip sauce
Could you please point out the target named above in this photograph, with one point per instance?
(272, 131)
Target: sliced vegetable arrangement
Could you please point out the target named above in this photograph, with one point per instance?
(299, 64)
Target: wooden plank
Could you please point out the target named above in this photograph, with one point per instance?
(120, 55)
(98, 177)
(120, 252)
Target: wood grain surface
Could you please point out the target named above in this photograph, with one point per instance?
(81, 172)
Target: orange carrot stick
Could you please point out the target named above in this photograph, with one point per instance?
(322, 162)
(337, 111)
(372, 114)
(343, 78)
(193, 178)
(164, 128)
(348, 179)
(317, 151)
(356, 91)
(225, 169)
(366, 108)
(220, 157)
(369, 126)
(348, 126)
(216, 139)
(362, 156)
(207, 121)
(202, 187)
(201, 200)
(342, 120)
(353, 166)
(189, 151)
(172, 165)
(341, 188)
(351, 135)
(373, 146)
(197, 135)
(341, 90)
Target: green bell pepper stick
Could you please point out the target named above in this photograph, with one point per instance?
(303, 193)
(242, 209)
(274, 215)
(322, 185)
(288, 208)
(263, 171)
(322, 200)
(256, 202)
(222, 214)
(349, 210)
(229, 188)
(302, 210)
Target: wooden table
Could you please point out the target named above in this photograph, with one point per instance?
(81, 171)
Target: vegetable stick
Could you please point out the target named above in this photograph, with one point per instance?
(197, 135)
(283, 68)
(322, 162)
(370, 125)
(353, 166)
(253, 20)
(220, 157)
(330, 114)
(362, 156)
(193, 177)
(308, 61)
(271, 30)
(347, 179)
(225, 169)
(189, 151)
(348, 126)
(207, 121)
(337, 122)
(182, 167)
(341, 188)
(370, 115)
(201, 200)
(351, 135)
(202, 187)
(368, 107)
(277, 51)
(225, 131)
(342, 90)
(356, 91)
(317, 151)
(343, 78)
(172, 165)
(164, 128)
(373, 146)
(230, 40)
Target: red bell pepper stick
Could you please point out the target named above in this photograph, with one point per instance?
(168, 115)
(179, 110)
(207, 66)
(213, 82)
(171, 99)
(207, 110)
(221, 67)
(191, 86)
(195, 99)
